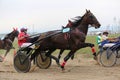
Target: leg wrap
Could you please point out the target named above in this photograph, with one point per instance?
(63, 64)
(93, 51)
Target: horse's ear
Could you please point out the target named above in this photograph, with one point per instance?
(13, 29)
(86, 10)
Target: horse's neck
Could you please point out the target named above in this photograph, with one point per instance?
(83, 27)
(12, 38)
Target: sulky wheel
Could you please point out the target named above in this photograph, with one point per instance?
(108, 58)
(43, 61)
(22, 62)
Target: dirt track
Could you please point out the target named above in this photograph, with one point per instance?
(81, 68)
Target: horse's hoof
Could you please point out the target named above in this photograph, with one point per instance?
(72, 57)
(58, 62)
(63, 70)
(62, 67)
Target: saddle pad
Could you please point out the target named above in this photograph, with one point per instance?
(64, 30)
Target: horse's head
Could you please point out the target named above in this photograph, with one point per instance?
(91, 19)
(15, 32)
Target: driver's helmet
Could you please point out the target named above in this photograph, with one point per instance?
(105, 32)
(23, 29)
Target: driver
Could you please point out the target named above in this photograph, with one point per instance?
(23, 38)
(108, 42)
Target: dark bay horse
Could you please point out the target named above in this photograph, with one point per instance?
(75, 42)
(78, 22)
(6, 43)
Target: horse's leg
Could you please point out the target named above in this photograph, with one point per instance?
(48, 54)
(66, 58)
(34, 60)
(61, 51)
(87, 45)
(34, 54)
(72, 57)
(6, 53)
(92, 46)
(8, 45)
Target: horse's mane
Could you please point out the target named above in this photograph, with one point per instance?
(7, 35)
(77, 21)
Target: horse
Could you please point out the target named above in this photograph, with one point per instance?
(77, 22)
(75, 42)
(6, 42)
(73, 25)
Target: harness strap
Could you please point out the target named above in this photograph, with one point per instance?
(66, 36)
